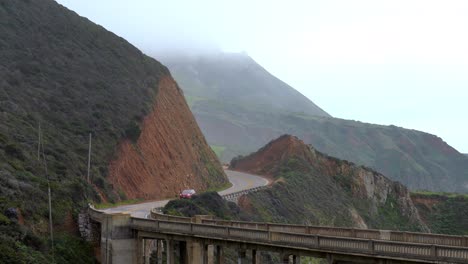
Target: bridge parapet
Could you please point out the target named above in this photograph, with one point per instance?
(341, 245)
(400, 236)
(95, 214)
(411, 237)
(233, 197)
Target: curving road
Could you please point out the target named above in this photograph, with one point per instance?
(240, 181)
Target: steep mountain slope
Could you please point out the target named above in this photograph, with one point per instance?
(61, 78)
(214, 78)
(313, 188)
(233, 126)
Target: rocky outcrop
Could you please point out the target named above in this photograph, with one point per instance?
(327, 188)
(170, 154)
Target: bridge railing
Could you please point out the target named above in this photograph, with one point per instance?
(163, 217)
(412, 237)
(233, 196)
(95, 214)
(310, 241)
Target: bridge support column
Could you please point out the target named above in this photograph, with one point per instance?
(256, 257)
(290, 258)
(119, 243)
(219, 255)
(159, 251)
(183, 253)
(170, 256)
(241, 256)
(196, 252)
(140, 251)
(210, 254)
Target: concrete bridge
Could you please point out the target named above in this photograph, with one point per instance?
(201, 239)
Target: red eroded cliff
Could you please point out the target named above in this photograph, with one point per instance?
(312, 186)
(170, 154)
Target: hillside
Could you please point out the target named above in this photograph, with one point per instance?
(218, 89)
(61, 78)
(444, 213)
(312, 188)
(214, 77)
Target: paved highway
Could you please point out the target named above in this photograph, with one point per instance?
(240, 181)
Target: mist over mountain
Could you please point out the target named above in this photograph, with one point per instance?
(241, 107)
(214, 77)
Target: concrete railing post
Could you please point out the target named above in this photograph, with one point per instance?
(371, 246)
(465, 244)
(434, 251)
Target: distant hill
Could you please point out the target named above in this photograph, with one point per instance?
(235, 125)
(61, 78)
(235, 79)
(312, 188)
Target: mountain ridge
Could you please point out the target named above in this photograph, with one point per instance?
(417, 159)
(285, 97)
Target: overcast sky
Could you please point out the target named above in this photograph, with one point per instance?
(401, 62)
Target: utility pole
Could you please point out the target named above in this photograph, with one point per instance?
(49, 193)
(89, 156)
(39, 143)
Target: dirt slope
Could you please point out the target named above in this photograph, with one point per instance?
(171, 153)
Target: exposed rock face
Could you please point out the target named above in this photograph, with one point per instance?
(331, 190)
(171, 153)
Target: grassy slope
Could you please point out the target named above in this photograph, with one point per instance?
(71, 77)
(217, 89)
(445, 213)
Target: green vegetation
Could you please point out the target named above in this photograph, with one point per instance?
(208, 203)
(439, 194)
(444, 213)
(124, 202)
(218, 150)
(62, 77)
